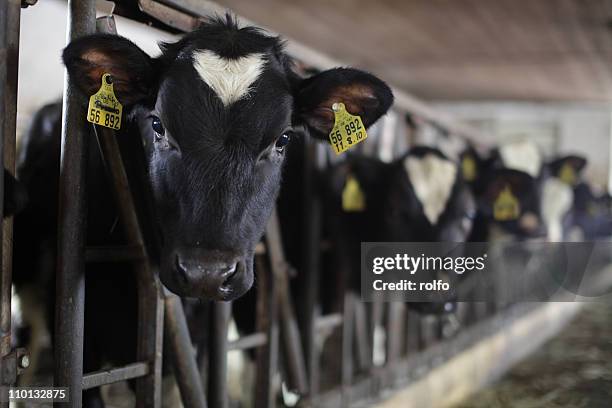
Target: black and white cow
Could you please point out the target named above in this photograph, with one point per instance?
(214, 112)
(509, 207)
(588, 217)
(420, 197)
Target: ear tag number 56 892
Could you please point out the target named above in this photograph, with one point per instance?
(104, 108)
(348, 129)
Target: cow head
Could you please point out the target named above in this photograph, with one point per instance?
(215, 112)
(429, 200)
(568, 169)
(511, 202)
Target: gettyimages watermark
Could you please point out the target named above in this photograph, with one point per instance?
(511, 271)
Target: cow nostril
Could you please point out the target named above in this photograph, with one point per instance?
(181, 269)
(228, 274)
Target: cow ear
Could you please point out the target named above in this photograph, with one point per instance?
(90, 57)
(363, 94)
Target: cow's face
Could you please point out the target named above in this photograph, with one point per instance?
(215, 112)
(428, 200)
(511, 201)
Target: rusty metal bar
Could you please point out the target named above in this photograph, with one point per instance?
(9, 53)
(266, 357)
(292, 345)
(310, 269)
(217, 376)
(103, 377)
(70, 283)
(182, 354)
(150, 305)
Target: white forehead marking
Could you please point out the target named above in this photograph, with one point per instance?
(432, 179)
(230, 79)
(522, 155)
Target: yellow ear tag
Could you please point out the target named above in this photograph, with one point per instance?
(348, 129)
(506, 206)
(567, 174)
(353, 199)
(104, 107)
(468, 168)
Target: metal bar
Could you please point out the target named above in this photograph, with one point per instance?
(217, 377)
(266, 357)
(363, 337)
(248, 342)
(292, 345)
(395, 330)
(347, 347)
(70, 283)
(9, 53)
(310, 269)
(128, 253)
(150, 305)
(182, 354)
(103, 377)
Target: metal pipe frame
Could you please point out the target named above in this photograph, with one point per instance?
(70, 280)
(10, 11)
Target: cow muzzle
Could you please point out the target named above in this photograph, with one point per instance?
(210, 274)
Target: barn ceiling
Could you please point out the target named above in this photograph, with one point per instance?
(537, 50)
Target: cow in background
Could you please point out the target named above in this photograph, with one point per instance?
(589, 217)
(420, 197)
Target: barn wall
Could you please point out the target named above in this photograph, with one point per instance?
(557, 129)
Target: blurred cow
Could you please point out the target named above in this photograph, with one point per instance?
(420, 197)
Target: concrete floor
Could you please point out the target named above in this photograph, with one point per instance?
(572, 370)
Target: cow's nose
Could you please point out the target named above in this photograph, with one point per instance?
(216, 279)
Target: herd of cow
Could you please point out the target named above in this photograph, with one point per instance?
(223, 116)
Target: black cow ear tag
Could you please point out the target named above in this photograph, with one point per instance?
(506, 206)
(348, 129)
(104, 108)
(353, 198)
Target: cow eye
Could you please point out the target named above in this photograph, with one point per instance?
(157, 127)
(282, 141)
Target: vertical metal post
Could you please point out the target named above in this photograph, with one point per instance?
(290, 335)
(9, 53)
(72, 215)
(150, 304)
(182, 354)
(347, 347)
(217, 376)
(310, 266)
(267, 356)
